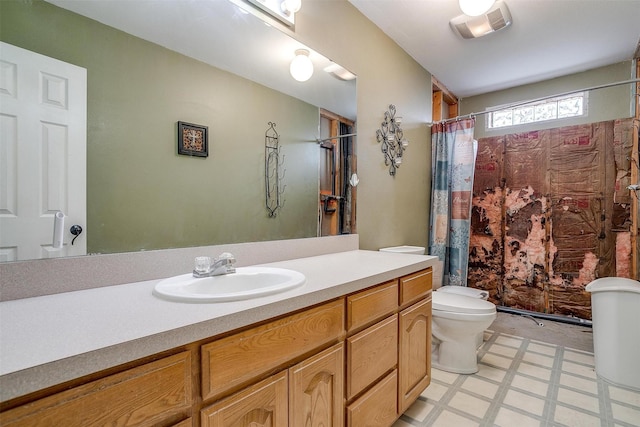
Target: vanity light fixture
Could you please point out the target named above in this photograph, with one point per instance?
(339, 72)
(291, 6)
(283, 11)
(301, 67)
(475, 7)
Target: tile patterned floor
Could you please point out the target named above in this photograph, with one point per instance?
(524, 382)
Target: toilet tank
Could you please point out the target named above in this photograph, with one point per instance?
(419, 250)
(416, 250)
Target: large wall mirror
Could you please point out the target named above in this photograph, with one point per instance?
(153, 63)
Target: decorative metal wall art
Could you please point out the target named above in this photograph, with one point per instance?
(391, 139)
(193, 140)
(273, 172)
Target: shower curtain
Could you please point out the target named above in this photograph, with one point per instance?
(453, 157)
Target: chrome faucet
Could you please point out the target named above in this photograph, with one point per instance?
(224, 264)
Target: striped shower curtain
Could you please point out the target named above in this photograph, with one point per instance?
(453, 158)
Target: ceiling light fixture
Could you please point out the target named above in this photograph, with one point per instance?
(475, 7)
(301, 67)
(470, 27)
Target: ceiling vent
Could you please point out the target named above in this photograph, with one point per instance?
(471, 27)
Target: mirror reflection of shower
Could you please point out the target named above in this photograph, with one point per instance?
(338, 178)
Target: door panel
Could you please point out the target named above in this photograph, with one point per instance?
(43, 154)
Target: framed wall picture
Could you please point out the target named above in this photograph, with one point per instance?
(193, 140)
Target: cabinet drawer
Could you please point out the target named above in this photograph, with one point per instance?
(263, 404)
(142, 396)
(370, 354)
(236, 360)
(368, 306)
(415, 286)
(377, 407)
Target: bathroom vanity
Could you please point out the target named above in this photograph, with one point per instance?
(351, 347)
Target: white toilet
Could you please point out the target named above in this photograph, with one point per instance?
(457, 320)
(470, 292)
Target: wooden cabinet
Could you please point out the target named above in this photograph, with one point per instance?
(414, 364)
(414, 360)
(239, 359)
(262, 405)
(361, 359)
(311, 390)
(316, 390)
(309, 393)
(156, 393)
(389, 362)
(372, 356)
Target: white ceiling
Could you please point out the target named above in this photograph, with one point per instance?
(547, 39)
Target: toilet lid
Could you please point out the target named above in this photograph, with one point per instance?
(463, 290)
(445, 301)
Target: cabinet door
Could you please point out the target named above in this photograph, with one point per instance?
(414, 364)
(316, 389)
(262, 405)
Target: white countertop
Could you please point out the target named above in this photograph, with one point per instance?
(50, 339)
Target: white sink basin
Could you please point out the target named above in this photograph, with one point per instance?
(245, 283)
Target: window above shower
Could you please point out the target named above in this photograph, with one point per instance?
(573, 105)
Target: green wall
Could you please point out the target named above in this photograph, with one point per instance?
(390, 210)
(141, 194)
(603, 104)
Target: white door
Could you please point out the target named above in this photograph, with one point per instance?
(43, 112)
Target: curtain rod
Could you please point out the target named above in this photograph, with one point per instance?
(335, 137)
(517, 104)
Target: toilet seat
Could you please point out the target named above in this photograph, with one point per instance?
(454, 303)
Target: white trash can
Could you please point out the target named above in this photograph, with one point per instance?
(615, 308)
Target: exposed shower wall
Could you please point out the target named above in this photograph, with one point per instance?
(551, 212)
